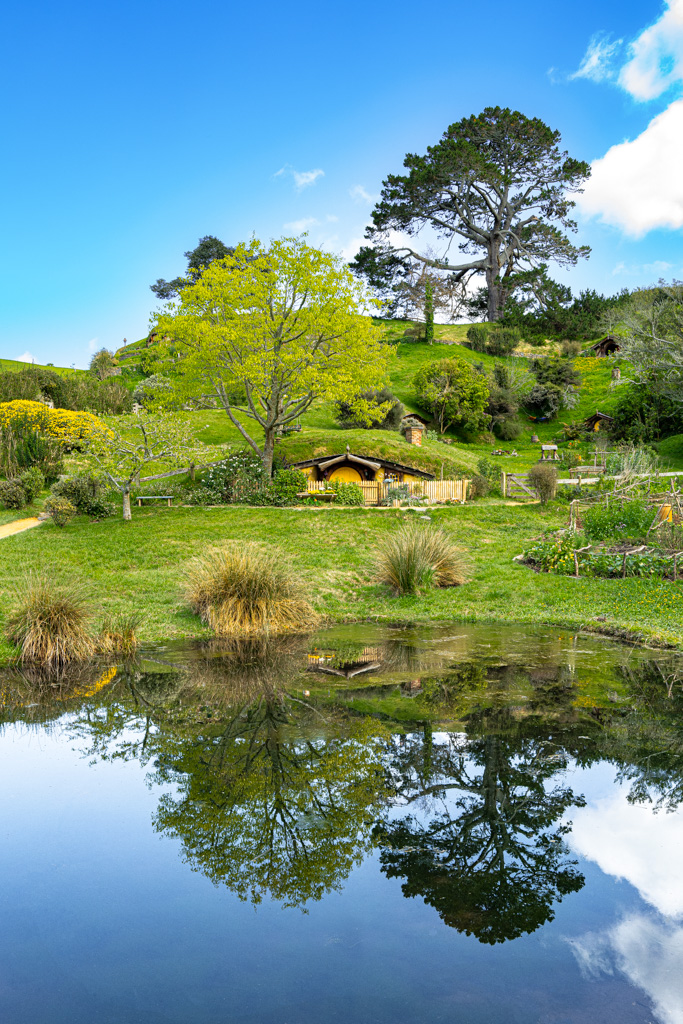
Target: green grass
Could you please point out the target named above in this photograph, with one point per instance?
(139, 567)
(14, 365)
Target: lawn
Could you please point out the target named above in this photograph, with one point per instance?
(139, 566)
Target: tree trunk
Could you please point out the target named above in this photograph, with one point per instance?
(126, 504)
(494, 303)
(268, 452)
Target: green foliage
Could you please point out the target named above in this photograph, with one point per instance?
(75, 392)
(618, 520)
(245, 588)
(544, 400)
(554, 555)
(513, 185)
(347, 493)
(502, 341)
(198, 259)
(33, 482)
(286, 486)
(103, 364)
(508, 428)
(237, 477)
(87, 492)
(416, 557)
(540, 308)
(49, 623)
(13, 494)
(60, 510)
(479, 486)
(543, 478)
(156, 392)
(281, 323)
(23, 445)
(641, 415)
(671, 450)
(477, 335)
(453, 392)
(380, 409)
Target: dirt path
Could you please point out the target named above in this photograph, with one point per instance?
(19, 526)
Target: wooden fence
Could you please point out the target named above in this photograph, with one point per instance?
(437, 491)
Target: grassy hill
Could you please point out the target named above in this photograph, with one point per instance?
(15, 365)
(321, 434)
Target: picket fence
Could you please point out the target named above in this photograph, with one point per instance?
(437, 491)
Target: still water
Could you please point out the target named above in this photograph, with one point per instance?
(450, 823)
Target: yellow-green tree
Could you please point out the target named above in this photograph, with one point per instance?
(270, 330)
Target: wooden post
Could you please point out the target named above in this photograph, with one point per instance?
(675, 566)
(576, 565)
(572, 515)
(192, 469)
(623, 567)
(505, 484)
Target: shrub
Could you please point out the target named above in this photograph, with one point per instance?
(87, 492)
(33, 482)
(384, 411)
(232, 480)
(244, 588)
(479, 486)
(502, 340)
(477, 336)
(156, 392)
(618, 520)
(13, 494)
(543, 479)
(60, 510)
(118, 634)
(570, 348)
(507, 429)
(50, 623)
(545, 400)
(454, 392)
(348, 493)
(418, 556)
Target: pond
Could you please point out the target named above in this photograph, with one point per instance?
(449, 823)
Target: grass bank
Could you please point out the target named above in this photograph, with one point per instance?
(138, 566)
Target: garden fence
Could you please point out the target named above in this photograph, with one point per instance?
(375, 492)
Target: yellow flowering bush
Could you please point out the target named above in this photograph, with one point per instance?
(60, 424)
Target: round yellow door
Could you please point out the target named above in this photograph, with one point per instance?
(348, 474)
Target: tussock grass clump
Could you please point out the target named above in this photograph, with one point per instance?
(118, 634)
(416, 557)
(246, 588)
(50, 623)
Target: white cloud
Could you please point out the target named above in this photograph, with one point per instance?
(656, 56)
(362, 195)
(597, 64)
(350, 250)
(649, 952)
(301, 225)
(27, 357)
(630, 841)
(302, 179)
(92, 344)
(637, 185)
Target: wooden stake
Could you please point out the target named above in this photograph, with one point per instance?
(576, 565)
(623, 566)
(675, 566)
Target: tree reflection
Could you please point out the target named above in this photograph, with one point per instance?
(486, 851)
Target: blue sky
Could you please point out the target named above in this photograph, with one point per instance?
(130, 130)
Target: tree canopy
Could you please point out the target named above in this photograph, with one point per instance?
(270, 330)
(198, 259)
(453, 392)
(498, 187)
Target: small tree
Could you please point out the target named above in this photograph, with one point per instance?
(272, 330)
(453, 392)
(123, 451)
(543, 479)
(103, 364)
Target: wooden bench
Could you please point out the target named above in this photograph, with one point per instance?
(155, 497)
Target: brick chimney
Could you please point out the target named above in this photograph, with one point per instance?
(414, 435)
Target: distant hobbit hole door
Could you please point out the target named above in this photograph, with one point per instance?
(348, 474)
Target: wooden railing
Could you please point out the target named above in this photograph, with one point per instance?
(375, 492)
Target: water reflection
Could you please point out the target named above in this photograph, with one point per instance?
(449, 756)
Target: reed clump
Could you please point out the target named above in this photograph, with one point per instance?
(242, 589)
(417, 557)
(50, 623)
(119, 634)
